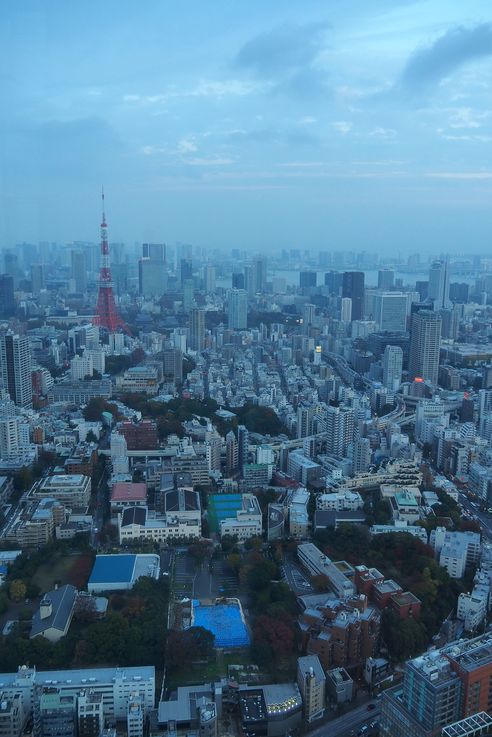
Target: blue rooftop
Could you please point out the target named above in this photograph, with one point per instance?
(113, 569)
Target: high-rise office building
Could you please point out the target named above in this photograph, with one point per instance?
(459, 292)
(79, 270)
(238, 309)
(345, 309)
(154, 251)
(307, 279)
(185, 270)
(353, 287)
(333, 280)
(425, 342)
(188, 294)
(390, 311)
(439, 284)
(151, 277)
(15, 368)
(37, 278)
(238, 281)
(260, 274)
(7, 301)
(308, 315)
(386, 279)
(197, 329)
(392, 366)
(209, 273)
(152, 270)
(12, 266)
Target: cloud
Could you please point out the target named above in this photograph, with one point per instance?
(459, 175)
(342, 126)
(427, 67)
(187, 145)
(385, 134)
(288, 56)
(209, 162)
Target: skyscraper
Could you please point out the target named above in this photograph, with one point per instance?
(238, 281)
(333, 280)
(238, 309)
(37, 278)
(79, 270)
(307, 279)
(152, 270)
(209, 273)
(260, 274)
(353, 287)
(392, 366)
(390, 311)
(7, 301)
(154, 251)
(242, 446)
(197, 329)
(15, 368)
(339, 427)
(345, 309)
(386, 279)
(439, 284)
(425, 342)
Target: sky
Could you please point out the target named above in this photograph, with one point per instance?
(324, 125)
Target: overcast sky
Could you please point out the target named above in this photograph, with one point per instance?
(259, 124)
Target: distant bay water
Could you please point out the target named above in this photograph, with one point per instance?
(409, 278)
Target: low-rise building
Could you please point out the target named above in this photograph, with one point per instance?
(140, 523)
(339, 501)
(128, 494)
(339, 686)
(317, 564)
(72, 490)
(247, 522)
(54, 615)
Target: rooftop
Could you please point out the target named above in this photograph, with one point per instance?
(123, 492)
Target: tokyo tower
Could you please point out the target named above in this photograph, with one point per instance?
(107, 315)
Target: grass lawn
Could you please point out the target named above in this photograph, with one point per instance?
(55, 569)
(206, 672)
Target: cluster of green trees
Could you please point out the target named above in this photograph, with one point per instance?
(273, 606)
(132, 632)
(117, 364)
(93, 411)
(170, 415)
(411, 563)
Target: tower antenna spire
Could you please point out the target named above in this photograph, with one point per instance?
(107, 315)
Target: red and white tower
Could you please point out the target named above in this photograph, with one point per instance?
(107, 315)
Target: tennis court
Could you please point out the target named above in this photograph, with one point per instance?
(222, 506)
(224, 621)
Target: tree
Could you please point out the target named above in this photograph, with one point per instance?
(184, 647)
(17, 590)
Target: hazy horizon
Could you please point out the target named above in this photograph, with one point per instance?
(366, 126)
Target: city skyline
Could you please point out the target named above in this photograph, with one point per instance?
(250, 127)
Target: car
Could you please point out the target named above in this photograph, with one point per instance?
(370, 707)
(363, 730)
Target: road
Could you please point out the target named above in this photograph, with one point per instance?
(348, 724)
(484, 518)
